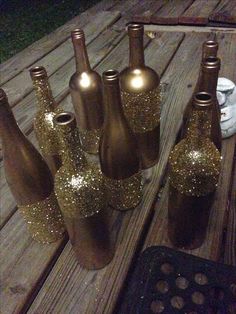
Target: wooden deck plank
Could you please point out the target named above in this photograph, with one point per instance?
(21, 85)
(93, 292)
(170, 12)
(225, 12)
(210, 249)
(230, 244)
(142, 13)
(23, 264)
(198, 12)
(40, 48)
(26, 109)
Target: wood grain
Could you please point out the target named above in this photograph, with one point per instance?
(97, 293)
(21, 85)
(210, 249)
(230, 244)
(170, 12)
(144, 10)
(40, 48)
(198, 12)
(225, 12)
(26, 109)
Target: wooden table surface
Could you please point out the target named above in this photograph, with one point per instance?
(39, 278)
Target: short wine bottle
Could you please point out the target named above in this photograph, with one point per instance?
(43, 122)
(86, 93)
(119, 156)
(81, 193)
(194, 172)
(141, 99)
(207, 82)
(29, 179)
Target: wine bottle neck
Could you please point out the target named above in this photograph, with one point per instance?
(81, 56)
(113, 106)
(44, 93)
(8, 126)
(72, 154)
(136, 56)
(208, 81)
(199, 127)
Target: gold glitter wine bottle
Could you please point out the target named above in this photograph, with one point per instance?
(141, 99)
(29, 179)
(86, 93)
(207, 81)
(82, 197)
(43, 123)
(119, 155)
(194, 172)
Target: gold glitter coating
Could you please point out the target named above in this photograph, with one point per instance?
(124, 194)
(80, 194)
(195, 161)
(43, 123)
(44, 220)
(142, 110)
(90, 140)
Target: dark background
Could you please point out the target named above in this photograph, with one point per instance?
(23, 22)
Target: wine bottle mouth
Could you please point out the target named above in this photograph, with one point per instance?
(135, 30)
(202, 100)
(77, 33)
(65, 118)
(110, 76)
(38, 71)
(211, 43)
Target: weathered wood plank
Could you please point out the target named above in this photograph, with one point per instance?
(225, 12)
(93, 291)
(26, 109)
(230, 244)
(23, 264)
(170, 12)
(21, 85)
(40, 48)
(210, 249)
(142, 13)
(198, 12)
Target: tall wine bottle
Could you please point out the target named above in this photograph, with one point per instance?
(194, 172)
(86, 93)
(29, 179)
(43, 122)
(81, 193)
(119, 154)
(141, 98)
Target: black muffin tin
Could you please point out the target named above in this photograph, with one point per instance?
(168, 282)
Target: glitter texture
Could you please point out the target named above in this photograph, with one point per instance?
(195, 161)
(142, 110)
(43, 123)
(124, 194)
(79, 187)
(90, 140)
(44, 220)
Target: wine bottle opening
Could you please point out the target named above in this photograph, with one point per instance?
(135, 30)
(77, 33)
(203, 97)
(38, 71)
(211, 43)
(110, 75)
(64, 118)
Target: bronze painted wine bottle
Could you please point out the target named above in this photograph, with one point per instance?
(81, 193)
(43, 122)
(119, 156)
(29, 179)
(207, 81)
(86, 93)
(194, 172)
(141, 99)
